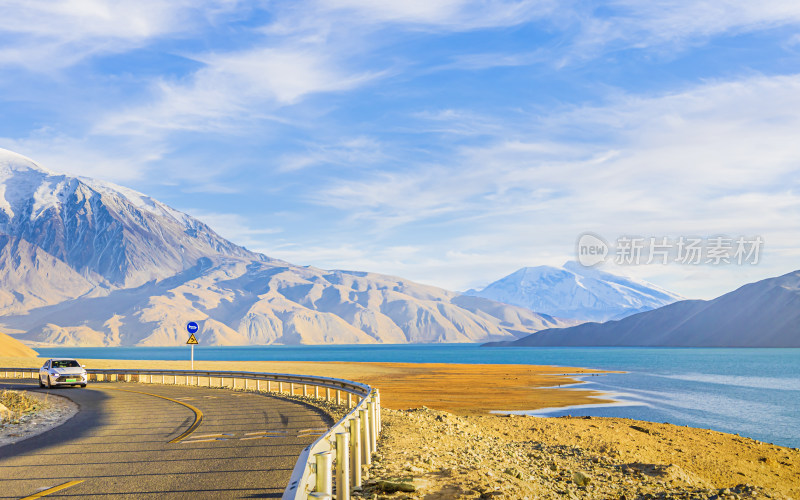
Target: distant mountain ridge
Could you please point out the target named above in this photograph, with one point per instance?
(761, 314)
(576, 292)
(84, 262)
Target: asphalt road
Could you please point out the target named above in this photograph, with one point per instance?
(124, 444)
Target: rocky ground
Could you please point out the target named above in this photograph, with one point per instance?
(432, 454)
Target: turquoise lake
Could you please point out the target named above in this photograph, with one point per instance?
(752, 392)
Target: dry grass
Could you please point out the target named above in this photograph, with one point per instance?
(21, 404)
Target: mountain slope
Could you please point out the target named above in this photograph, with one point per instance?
(84, 262)
(12, 348)
(761, 314)
(575, 291)
(111, 236)
(241, 302)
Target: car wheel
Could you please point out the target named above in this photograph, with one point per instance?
(49, 384)
(82, 386)
(41, 384)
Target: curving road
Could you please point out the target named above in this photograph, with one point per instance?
(161, 441)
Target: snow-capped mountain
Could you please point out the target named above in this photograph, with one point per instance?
(576, 292)
(83, 262)
(761, 314)
(110, 236)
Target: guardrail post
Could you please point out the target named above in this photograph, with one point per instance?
(355, 451)
(305, 390)
(316, 391)
(373, 431)
(342, 466)
(269, 385)
(378, 410)
(324, 479)
(327, 394)
(349, 400)
(338, 397)
(366, 453)
(291, 389)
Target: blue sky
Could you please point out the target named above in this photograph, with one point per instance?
(447, 142)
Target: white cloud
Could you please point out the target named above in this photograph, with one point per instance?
(455, 15)
(234, 227)
(116, 161)
(236, 88)
(352, 153)
(663, 23)
(719, 158)
(44, 35)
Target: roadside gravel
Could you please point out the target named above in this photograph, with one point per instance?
(54, 411)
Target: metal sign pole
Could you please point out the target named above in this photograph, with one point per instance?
(192, 328)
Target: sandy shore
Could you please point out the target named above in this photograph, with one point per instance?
(457, 388)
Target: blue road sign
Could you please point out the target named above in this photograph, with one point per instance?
(192, 327)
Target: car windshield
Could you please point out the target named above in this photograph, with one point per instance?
(66, 363)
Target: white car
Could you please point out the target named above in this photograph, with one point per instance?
(62, 371)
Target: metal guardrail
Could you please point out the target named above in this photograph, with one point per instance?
(353, 438)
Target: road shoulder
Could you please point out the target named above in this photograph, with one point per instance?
(60, 410)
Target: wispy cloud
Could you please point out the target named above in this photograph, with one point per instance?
(130, 161)
(233, 89)
(235, 227)
(449, 15)
(665, 24)
(718, 158)
(350, 153)
(44, 35)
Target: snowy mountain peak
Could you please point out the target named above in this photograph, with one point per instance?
(22, 180)
(576, 292)
(15, 162)
(108, 234)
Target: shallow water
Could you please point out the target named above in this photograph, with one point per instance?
(752, 392)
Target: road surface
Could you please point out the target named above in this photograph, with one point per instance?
(134, 440)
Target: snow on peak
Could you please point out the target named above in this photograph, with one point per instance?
(22, 180)
(15, 162)
(576, 292)
(137, 199)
